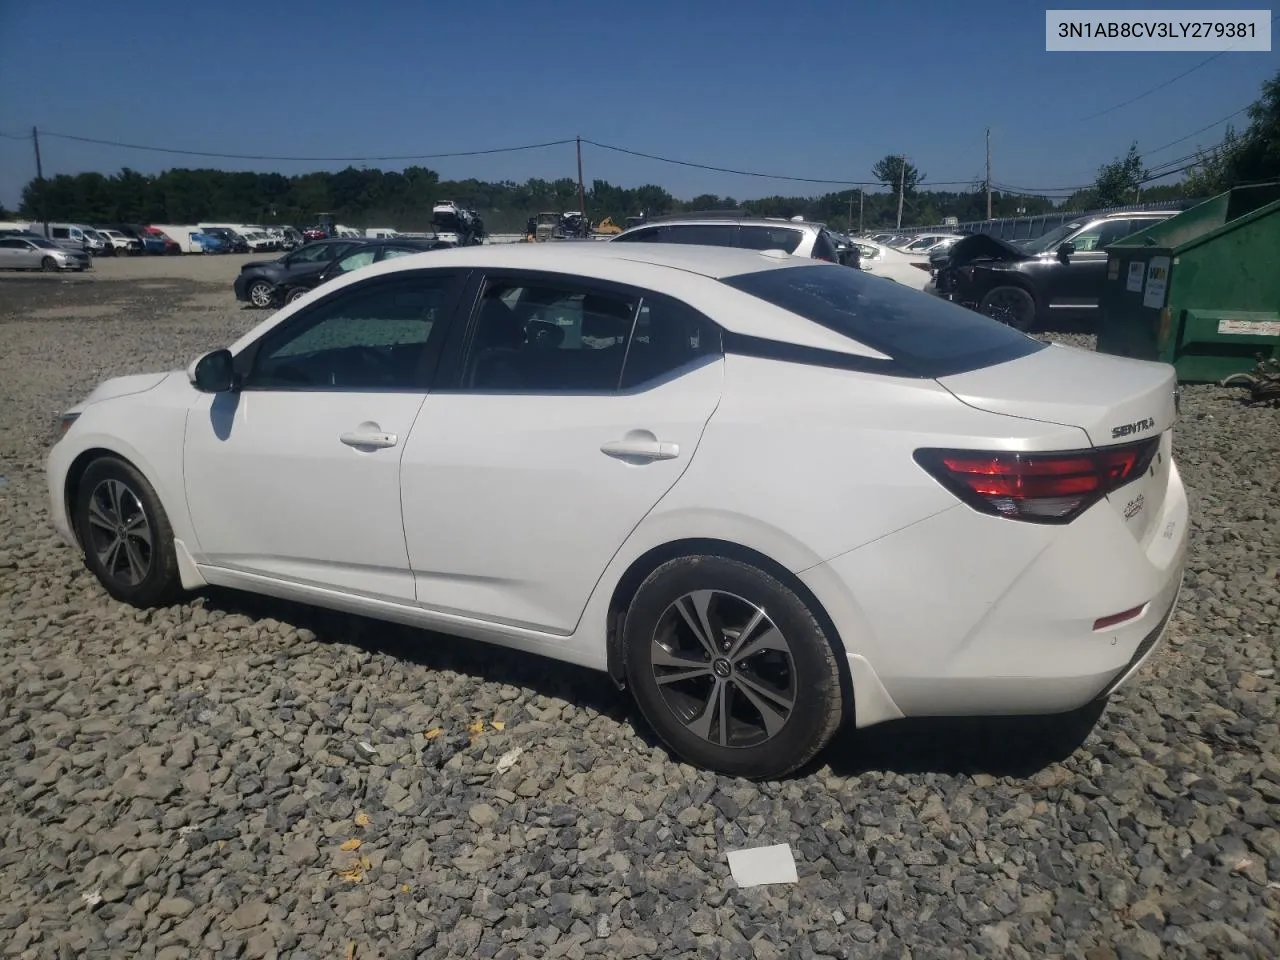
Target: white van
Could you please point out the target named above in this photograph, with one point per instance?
(70, 236)
(181, 235)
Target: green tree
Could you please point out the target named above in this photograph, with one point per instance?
(1117, 182)
(889, 171)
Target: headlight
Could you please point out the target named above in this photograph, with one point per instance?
(65, 422)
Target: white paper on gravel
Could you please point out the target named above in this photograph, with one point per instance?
(760, 865)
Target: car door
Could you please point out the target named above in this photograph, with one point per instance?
(525, 474)
(1075, 287)
(15, 254)
(296, 476)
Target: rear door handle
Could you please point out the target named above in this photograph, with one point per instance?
(362, 439)
(641, 449)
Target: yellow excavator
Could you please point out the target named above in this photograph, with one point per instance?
(607, 227)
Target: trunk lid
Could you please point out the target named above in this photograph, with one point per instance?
(1113, 400)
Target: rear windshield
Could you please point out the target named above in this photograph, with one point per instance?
(926, 335)
(770, 238)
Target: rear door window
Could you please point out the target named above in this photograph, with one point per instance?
(925, 335)
(770, 238)
(701, 234)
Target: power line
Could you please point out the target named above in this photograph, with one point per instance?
(245, 156)
(1207, 126)
(763, 176)
(1160, 86)
(15, 136)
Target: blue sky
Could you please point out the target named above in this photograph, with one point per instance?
(799, 88)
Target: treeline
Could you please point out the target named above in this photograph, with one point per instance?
(403, 199)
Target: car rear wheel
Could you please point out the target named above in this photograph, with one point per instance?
(731, 668)
(297, 293)
(125, 534)
(49, 265)
(1013, 306)
(261, 293)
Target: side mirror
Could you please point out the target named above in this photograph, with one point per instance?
(215, 373)
(1065, 250)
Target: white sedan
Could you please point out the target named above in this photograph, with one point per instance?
(764, 492)
(908, 269)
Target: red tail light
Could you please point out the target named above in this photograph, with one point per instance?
(1039, 487)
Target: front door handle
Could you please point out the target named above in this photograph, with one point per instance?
(359, 438)
(641, 449)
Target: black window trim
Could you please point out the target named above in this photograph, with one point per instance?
(429, 365)
(457, 349)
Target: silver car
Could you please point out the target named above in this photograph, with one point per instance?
(37, 253)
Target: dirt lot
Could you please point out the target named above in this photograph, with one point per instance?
(191, 781)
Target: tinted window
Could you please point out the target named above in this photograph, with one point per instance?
(770, 238)
(668, 335)
(61, 233)
(649, 235)
(12, 244)
(353, 261)
(548, 339)
(373, 337)
(703, 234)
(317, 252)
(926, 335)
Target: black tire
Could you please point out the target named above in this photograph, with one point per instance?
(297, 293)
(49, 265)
(806, 675)
(1010, 305)
(261, 293)
(97, 505)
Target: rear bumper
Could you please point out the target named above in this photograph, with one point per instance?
(965, 614)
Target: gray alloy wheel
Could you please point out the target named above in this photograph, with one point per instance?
(297, 293)
(261, 293)
(724, 669)
(49, 265)
(119, 533)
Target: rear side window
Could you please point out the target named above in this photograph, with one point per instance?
(924, 334)
(770, 238)
(703, 234)
(668, 335)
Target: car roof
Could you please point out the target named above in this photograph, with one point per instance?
(599, 258)
(732, 221)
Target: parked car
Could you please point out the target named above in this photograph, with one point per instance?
(796, 237)
(1060, 274)
(292, 239)
(32, 252)
(911, 270)
(96, 245)
(927, 241)
(234, 242)
(544, 447)
(259, 281)
(301, 283)
(122, 244)
(206, 242)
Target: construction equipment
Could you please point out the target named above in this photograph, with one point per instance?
(607, 227)
(547, 227)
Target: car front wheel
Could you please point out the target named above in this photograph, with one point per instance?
(125, 534)
(1010, 305)
(731, 668)
(261, 293)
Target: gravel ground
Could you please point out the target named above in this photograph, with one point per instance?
(242, 777)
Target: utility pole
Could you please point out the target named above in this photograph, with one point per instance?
(44, 206)
(582, 196)
(860, 194)
(988, 173)
(902, 186)
(851, 211)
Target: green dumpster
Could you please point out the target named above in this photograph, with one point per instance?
(1200, 290)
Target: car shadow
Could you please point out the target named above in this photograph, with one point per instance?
(438, 651)
(999, 746)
